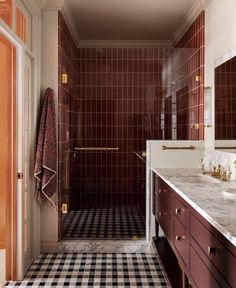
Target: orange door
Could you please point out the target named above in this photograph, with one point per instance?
(7, 154)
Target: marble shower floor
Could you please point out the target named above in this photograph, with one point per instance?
(122, 223)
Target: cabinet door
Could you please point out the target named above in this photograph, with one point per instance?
(164, 218)
(214, 250)
(181, 241)
(201, 276)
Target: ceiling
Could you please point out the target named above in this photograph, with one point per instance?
(123, 20)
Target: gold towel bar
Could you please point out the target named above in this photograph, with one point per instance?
(96, 149)
(232, 147)
(178, 148)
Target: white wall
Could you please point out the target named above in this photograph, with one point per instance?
(220, 39)
(49, 219)
(158, 158)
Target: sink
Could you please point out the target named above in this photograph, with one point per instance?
(200, 179)
(231, 193)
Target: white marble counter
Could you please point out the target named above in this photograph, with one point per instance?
(213, 199)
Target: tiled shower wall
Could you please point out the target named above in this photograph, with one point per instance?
(67, 107)
(189, 75)
(115, 99)
(225, 103)
(120, 107)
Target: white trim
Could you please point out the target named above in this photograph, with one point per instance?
(8, 34)
(225, 58)
(66, 12)
(191, 15)
(53, 4)
(34, 7)
(41, 3)
(115, 44)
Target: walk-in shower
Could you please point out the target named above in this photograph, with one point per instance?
(115, 100)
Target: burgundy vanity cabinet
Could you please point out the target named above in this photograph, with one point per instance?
(218, 253)
(206, 257)
(163, 206)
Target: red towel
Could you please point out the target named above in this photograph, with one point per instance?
(46, 157)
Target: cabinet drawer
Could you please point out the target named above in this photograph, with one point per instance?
(201, 276)
(164, 193)
(215, 251)
(180, 211)
(181, 241)
(163, 216)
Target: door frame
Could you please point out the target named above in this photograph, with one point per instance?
(14, 249)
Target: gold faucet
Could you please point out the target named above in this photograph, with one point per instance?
(217, 171)
(226, 175)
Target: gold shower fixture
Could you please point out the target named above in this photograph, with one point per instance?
(64, 78)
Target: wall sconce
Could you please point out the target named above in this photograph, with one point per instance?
(64, 78)
(208, 106)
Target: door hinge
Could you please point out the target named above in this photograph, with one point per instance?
(64, 208)
(20, 175)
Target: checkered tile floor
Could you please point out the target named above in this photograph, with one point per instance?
(95, 270)
(104, 223)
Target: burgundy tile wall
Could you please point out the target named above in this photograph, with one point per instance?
(190, 95)
(225, 100)
(114, 98)
(120, 104)
(67, 107)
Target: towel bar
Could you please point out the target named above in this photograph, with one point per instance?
(178, 148)
(225, 148)
(76, 149)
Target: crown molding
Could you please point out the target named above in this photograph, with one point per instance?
(123, 43)
(189, 18)
(41, 3)
(53, 4)
(66, 12)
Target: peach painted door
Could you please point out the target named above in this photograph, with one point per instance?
(8, 175)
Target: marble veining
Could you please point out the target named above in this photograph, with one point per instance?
(213, 199)
(104, 246)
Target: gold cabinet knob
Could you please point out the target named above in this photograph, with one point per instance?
(211, 250)
(177, 238)
(177, 210)
(160, 214)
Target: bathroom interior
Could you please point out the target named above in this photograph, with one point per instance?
(145, 143)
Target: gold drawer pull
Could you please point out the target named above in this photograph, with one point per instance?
(177, 210)
(211, 250)
(177, 238)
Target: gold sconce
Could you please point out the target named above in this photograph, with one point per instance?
(64, 78)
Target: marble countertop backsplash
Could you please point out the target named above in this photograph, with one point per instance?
(213, 199)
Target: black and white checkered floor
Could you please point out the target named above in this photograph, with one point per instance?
(95, 270)
(104, 223)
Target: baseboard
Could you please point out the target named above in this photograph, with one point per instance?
(2, 267)
(49, 247)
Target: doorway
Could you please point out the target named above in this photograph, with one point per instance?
(8, 172)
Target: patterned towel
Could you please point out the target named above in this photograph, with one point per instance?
(46, 157)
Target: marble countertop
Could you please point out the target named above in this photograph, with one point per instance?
(215, 200)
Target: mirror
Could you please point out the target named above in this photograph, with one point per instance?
(225, 104)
